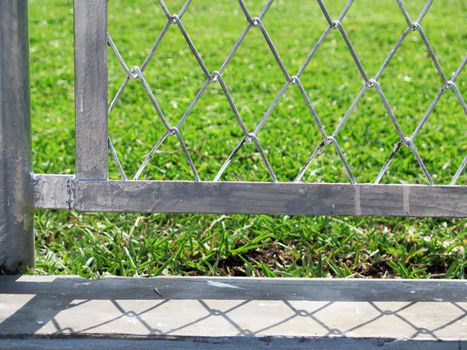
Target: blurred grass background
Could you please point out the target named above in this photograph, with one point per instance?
(131, 244)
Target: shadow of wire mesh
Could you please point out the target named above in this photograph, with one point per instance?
(175, 307)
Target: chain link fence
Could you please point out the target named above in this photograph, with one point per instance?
(91, 189)
(254, 21)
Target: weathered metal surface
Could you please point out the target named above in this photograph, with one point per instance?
(16, 191)
(239, 288)
(65, 192)
(271, 198)
(222, 313)
(54, 191)
(91, 88)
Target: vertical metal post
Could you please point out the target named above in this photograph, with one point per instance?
(16, 190)
(91, 89)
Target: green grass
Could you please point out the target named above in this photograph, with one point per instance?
(131, 244)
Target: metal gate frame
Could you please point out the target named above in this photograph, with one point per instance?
(90, 190)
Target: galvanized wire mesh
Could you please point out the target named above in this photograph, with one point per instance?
(251, 135)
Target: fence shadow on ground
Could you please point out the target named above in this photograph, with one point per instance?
(171, 307)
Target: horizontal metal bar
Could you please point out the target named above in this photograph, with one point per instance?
(54, 191)
(250, 197)
(241, 288)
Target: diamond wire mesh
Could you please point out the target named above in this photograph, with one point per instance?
(251, 136)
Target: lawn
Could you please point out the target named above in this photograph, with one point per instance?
(147, 245)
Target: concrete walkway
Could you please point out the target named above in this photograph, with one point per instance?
(231, 313)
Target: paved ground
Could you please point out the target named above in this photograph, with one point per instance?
(210, 313)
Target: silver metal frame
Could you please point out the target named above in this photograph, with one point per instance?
(16, 190)
(68, 192)
(91, 89)
(90, 189)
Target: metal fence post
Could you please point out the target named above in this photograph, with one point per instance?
(91, 89)
(16, 188)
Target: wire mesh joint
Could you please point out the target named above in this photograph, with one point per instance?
(449, 85)
(174, 18)
(251, 137)
(215, 76)
(173, 131)
(336, 24)
(135, 72)
(407, 141)
(255, 21)
(371, 83)
(415, 26)
(329, 140)
(293, 80)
